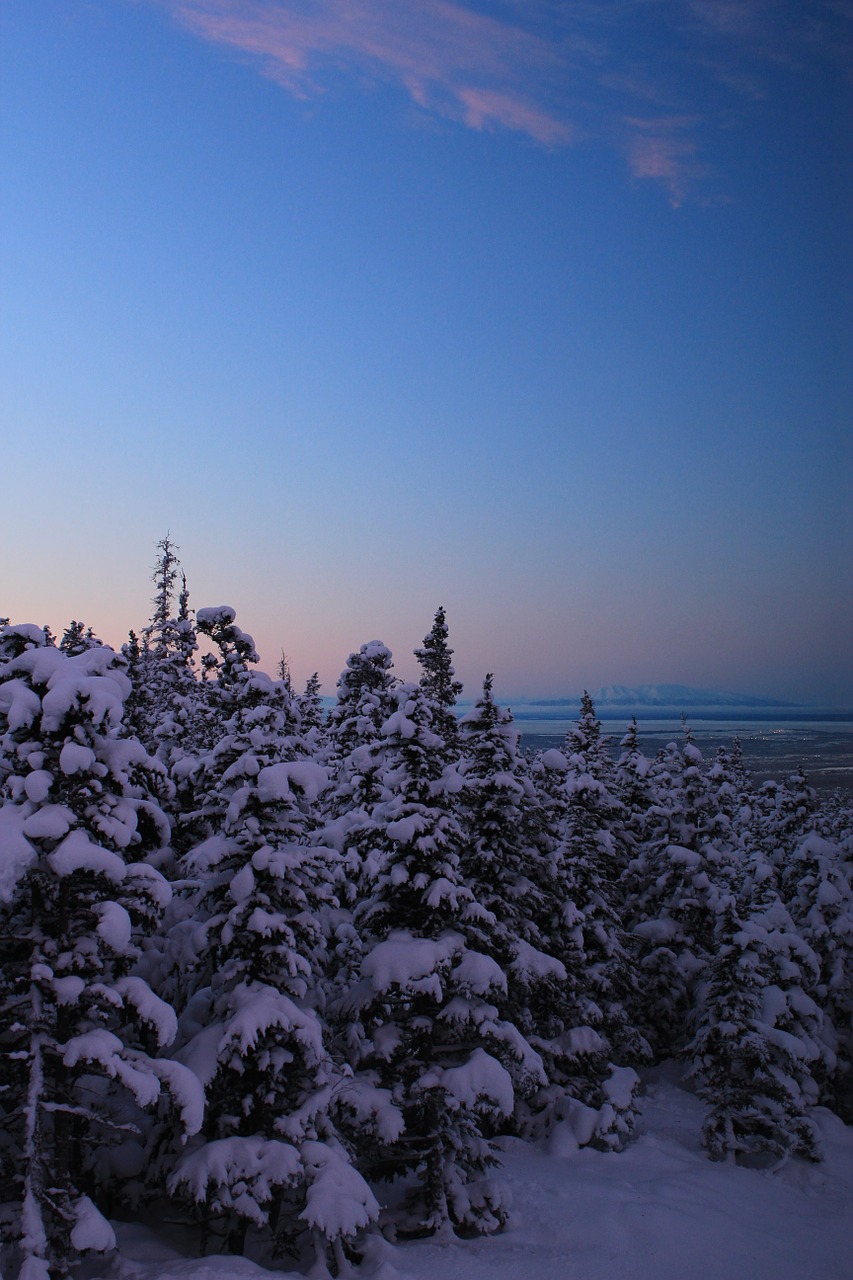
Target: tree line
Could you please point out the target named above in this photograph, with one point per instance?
(261, 961)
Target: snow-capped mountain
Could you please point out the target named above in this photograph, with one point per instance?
(677, 696)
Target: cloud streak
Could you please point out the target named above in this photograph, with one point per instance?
(645, 76)
(451, 60)
(664, 150)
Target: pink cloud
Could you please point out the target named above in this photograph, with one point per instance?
(661, 149)
(643, 77)
(451, 60)
(484, 107)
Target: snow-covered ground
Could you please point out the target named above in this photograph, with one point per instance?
(658, 1211)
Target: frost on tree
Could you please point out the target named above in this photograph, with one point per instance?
(80, 1028)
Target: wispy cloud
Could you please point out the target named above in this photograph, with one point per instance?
(645, 75)
(663, 148)
(451, 60)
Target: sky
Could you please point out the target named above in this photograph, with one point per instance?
(541, 311)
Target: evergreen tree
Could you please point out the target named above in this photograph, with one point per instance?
(365, 701)
(586, 1016)
(631, 780)
(782, 815)
(817, 890)
(496, 803)
(673, 890)
(425, 1015)
(310, 706)
(437, 679)
(77, 638)
(259, 887)
(165, 709)
(758, 1036)
(78, 1026)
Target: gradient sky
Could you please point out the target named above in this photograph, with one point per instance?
(540, 311)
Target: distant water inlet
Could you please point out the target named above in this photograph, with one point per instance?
(822, 748)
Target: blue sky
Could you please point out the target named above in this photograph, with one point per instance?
(542, 312)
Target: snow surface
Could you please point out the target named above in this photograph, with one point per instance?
(659, 1210)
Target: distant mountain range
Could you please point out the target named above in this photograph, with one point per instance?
(679, 697)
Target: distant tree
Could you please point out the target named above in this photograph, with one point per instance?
(164, 577)
(311, 706)
(284, 671)
(77, 638)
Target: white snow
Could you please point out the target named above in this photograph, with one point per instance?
(50, 822)
(149, 1007)
(536, 964)
(19, 704)
(91, 1229)
(660, 1210)
(479, 973)
(274, 781)
(77, 853)
(37, 784)
(75, 758)
(242, 884)
(621, 1086)
(683, 857)
(481, 1077)
(339, 1201)
(114, 925)
(258, 1008)
(409, 962)
(16, 852)
(234, 1165)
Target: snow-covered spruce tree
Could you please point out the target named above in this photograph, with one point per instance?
(424, 1022)
(271, 1154)
(759, 1032)
(817, 890)
(77, 638)
(365, 701)
(631, 782)
(506, 865)
(165, 705)
(495, 803)
(230, 688)
(79, 1028)
(584, 1018)
(311, 712)
(783, 814)
(437, 679)
(674, 887)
